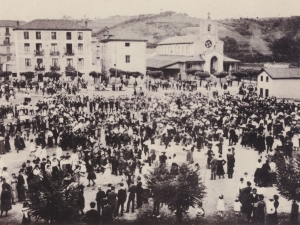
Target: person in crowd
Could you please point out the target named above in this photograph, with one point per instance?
(92, 216)
(100, 197)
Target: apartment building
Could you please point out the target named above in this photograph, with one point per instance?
(45, 45)
(7, 45)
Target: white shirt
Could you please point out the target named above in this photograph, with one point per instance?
(273, 167)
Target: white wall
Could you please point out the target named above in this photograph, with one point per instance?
(280, 88)
(114, 52)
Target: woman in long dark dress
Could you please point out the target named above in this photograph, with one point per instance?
(6, 143)
(220, 169)
(244, 196)
(5, 198)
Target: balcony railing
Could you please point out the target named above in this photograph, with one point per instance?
(70, 68)
(7, 34)
(54, 53)
(55, 68)
(69, 53)
(39, 68)
(38, 52)
(6, 43)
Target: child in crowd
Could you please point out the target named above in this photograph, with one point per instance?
(237, 207)
(220, 206)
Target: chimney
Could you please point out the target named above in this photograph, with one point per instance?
(86, 23)
(18, 23)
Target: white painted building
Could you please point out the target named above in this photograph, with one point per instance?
(123, 54)
(44, 45)
(203, 52)
(279, 82)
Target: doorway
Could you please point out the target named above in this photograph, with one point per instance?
(213, 65)
(69, 49)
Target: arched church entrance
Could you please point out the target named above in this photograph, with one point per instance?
(213, 65)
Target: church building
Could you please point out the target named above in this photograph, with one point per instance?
(204, 51)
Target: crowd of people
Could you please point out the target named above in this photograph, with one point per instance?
(113, 138)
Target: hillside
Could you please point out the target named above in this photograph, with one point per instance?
(253, 36)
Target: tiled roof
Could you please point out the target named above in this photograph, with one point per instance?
(115, 39)
(46, 24)
(162, 61)
(279, 73)
(180, 40)
(227, 59)
(10, 23)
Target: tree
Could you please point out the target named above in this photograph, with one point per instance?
(230, 45)
(28, 76)
(179, 191)
(286, 49)
(52, 200)
(288, 181)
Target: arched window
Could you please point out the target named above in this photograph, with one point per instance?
(209, 27)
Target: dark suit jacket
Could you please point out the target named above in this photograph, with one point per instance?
(122, 196)
(112, 198)
(92, 217)
(100, 196)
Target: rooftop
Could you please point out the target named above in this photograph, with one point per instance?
(282, 73)
(163, 61)
(46, 24)
(10, 23)
(120, 39)
(180, 40)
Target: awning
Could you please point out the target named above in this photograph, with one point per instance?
(162, 61)
(227, 59)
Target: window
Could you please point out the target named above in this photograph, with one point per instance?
(54, 47)
(267, 93)
(81, 62)
(7, 30)
(55, 62)
(209, 27)
(261, 92)
(26, 35)
(8, 58)
(80, 36)
(26, 47)
(38, 35)
(69, 62)
(261, 78)
(7, 48)
(127, 58)
(69, 35)
(39, 62)
(53, 35)
(80, 47)
(267, 79)
(127, 44)
(187, 49)
(27, 62)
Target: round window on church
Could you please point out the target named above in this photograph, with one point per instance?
(208, 44)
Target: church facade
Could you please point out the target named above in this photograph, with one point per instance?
(202, 52)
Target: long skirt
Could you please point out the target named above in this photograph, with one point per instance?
(50, 141)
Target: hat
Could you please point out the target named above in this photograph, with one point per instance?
(99, 187)
(220, 196)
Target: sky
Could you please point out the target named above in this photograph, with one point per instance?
(219, 9)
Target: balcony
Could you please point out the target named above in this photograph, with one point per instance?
(39, 68)
(7, 34)
(55, 68)
(39, 52)
(6, 43)
(70, 68)
(54, 53)
(69, 53)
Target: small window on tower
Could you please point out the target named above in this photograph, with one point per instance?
(209, 26)
(127, 44)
